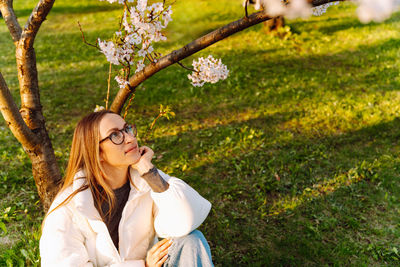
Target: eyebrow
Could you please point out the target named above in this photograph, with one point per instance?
(115, 129)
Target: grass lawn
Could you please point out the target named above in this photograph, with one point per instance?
(297, 150)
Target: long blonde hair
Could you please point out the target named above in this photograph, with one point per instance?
(85, 156)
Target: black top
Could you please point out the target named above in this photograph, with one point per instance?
(112, 221)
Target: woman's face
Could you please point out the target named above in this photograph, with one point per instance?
(114, 155)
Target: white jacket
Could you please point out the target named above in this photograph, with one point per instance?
(75, 235)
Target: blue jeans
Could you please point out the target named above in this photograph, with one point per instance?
(191, 250)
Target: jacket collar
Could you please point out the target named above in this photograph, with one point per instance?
(84, 202)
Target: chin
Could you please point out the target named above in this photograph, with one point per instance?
(135, 158)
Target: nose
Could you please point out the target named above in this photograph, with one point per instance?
(128, 137)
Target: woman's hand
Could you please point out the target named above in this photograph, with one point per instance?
(144, 164)
(158, 254)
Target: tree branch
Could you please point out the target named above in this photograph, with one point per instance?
(31, 109)
(14, 119)
(7, 10)
(322, 2)
(189, 49)
(184, 52)
(36, 19)
(83, 38)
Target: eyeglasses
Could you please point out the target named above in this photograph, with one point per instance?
(118, 137)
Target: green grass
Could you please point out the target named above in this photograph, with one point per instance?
(297, 150)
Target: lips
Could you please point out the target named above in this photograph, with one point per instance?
(131, 149)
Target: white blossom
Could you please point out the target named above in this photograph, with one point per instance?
(274, 7)
(167, 16)
(140, 65)
(319, 10)
(376, 10)
(121, 82)
(98, 108)
(298, 9)
(140, 29)
(141, 5)
(295, 8)
(156, 7)
(208, 70)
(142, 53)
(109, 50)
(368, 10)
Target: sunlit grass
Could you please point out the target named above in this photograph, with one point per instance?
(297, 150)
(327, 186)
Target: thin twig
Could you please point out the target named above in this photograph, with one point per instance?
(126, 7)
(83, 38)
(245, 8)
(108, 87)
(149, 57)
(186, 68)
(155, 120)
(129, 104)
(128, 72)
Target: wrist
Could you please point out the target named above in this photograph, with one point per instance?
(144, 168)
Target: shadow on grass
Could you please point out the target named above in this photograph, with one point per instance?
(298, 72)
(237, 184)
(354, 23)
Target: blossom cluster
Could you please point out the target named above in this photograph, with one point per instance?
(208, 70)
(368, 10)
(319, 10)
(141, 26)
(295, 9)
(376, 10)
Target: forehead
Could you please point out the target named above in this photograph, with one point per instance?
(110, 121)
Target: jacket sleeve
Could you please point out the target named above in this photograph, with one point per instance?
(61, 244)
(178, 210)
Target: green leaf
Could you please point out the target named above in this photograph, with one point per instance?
(3, 227)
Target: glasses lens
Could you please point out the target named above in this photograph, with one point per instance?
(130, 129)
(117, 137)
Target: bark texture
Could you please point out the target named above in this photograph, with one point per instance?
(28, 124)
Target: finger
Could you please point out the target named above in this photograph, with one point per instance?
(165, 246)
(158, 244)
(144, 150)
(161, 253)
(147, 149)
(163, 259)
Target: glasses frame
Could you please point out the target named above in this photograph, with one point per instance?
(122, 132)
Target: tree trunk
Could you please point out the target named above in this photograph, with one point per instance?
(28, 123)
(44, 164)
(45, 171)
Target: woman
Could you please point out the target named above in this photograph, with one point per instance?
(114, 203)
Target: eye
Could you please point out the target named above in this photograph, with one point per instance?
(128, 129)
(115, 135)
